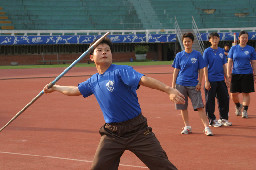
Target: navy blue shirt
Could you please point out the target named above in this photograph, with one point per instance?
(115, 91)
(215, 59)
(189, 64)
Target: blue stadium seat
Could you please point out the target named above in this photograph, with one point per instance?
(126, 14)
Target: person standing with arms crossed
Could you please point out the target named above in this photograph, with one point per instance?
(215, 85)
(243, 59)
(125, 127)
(186, 65)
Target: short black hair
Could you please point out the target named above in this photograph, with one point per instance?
(226, 45)
(242, 32)
(106, 40)
(211, 35)
(188, 35)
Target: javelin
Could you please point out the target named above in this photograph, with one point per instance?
(56, 79)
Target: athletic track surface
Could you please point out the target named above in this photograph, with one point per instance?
(59, 132)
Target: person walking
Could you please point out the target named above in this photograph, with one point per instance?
(242, 60)
(187, 65)
(215, 85)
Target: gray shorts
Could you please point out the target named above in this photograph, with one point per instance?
(194, 95)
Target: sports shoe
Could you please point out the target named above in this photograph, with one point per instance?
(208, 131)
(215, 123)
(238, 110)
(244, 114)
(224, 122)
(186, 130)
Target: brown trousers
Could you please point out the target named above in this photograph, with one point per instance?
(133, 135)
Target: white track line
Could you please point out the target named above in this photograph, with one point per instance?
(69, 159)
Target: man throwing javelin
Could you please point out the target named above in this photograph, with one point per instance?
(125, 127)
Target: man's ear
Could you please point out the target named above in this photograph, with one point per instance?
(91, 57)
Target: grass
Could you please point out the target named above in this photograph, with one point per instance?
(135, 63)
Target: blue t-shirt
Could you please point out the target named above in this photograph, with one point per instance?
(188, 64)
(242, 57)
(115, 91)
(227, 51)
(215, 59)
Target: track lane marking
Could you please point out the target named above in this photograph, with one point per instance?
(69, 159)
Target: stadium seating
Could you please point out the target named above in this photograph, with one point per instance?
(5, 23)
(71, 14)
(125, 14)
(228, 14)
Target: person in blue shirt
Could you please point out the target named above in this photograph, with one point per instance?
(226, 50)
(187, 64)
(215, 85)
(242, 58)
(125, 128)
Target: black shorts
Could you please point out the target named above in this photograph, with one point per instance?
(242, 83)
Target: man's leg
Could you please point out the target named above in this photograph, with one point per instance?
(210, 102)
(246, 99)
(108, 154)
(235, 97)
(203, 117)
(184, 114)
(148, 149)
(183, 109)
(223, 100)
(246, 102)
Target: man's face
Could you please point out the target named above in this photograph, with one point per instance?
(102, 54)
(226, 48)
(214, 40)
(187, 42)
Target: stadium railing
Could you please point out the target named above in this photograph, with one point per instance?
(85, 32)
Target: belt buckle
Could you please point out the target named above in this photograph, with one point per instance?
(113, 128)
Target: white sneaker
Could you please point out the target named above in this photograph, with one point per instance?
(215, 123)
(244, 114)
(238, 110)
(208, 131)
(186, 130)
(224, 122)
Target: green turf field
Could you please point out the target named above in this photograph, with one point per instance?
(135, 63)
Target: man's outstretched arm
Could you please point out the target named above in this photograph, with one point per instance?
(67, 90)
(174, 95)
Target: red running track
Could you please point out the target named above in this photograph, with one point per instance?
(61, 133)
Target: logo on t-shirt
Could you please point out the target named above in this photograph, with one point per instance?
(221, 55)
(246, 52)
(193, 60)
(110, 85)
